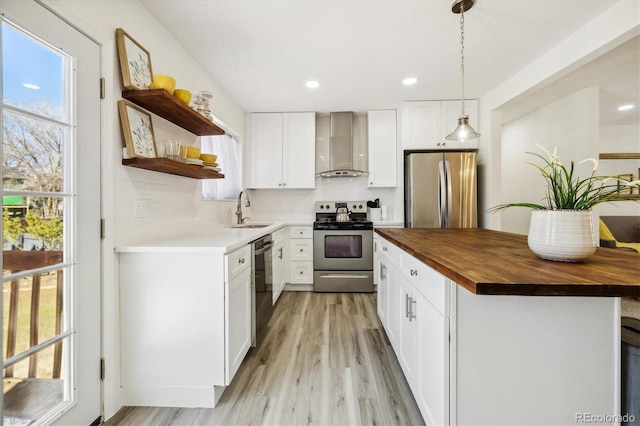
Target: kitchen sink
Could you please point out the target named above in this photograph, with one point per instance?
(252, 225)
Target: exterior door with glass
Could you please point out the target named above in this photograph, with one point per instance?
(51, 218)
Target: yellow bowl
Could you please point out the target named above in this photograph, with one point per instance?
(193, 152)
(183, 95)
(165, 82)
(208, 158)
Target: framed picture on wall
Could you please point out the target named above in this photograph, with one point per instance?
(137, 131)
(135, 62)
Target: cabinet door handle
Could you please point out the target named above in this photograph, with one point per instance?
(406, 305)
(301, 250)
(241, 260)
(384, 248)
(383, 272)
(280, 250)
(413, 272)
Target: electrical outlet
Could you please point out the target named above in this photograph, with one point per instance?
(142, 208)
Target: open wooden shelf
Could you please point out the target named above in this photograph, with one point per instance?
(164, 165)
(167, 106)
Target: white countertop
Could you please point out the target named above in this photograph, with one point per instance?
(212, 240)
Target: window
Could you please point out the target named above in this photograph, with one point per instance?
(226, 148)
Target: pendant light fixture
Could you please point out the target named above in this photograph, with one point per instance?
(463, 131)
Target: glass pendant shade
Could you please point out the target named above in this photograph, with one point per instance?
(463, 132)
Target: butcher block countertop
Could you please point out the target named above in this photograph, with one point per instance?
(499, 263)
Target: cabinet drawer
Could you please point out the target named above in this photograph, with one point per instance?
(301, 273)
(304, 231)
(279, 235)
(301, 250)
(388, 251)
(237, 262)
(426, 281)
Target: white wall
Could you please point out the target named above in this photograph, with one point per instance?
(173, 199)
(618, 24)
(570, 125)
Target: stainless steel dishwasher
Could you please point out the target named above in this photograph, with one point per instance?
(262, 293)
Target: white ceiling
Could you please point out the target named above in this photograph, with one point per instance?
(262, 51)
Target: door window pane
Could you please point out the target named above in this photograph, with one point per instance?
(33, 153)
(32, 85)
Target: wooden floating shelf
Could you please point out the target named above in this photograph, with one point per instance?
(164, 165)
(619, 156)
(167, 106)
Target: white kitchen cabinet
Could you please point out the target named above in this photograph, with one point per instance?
(280, 262)
(185, 324)
(237, 321)
(409, 330)
(281, 150)
(417, 324)
(301, 254)
(389, 303)
(426, 123)
(382, 135)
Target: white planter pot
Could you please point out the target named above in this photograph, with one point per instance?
(562, 235)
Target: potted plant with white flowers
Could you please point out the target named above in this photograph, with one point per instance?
(563, 228)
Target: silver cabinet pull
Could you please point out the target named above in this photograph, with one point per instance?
(406, 305)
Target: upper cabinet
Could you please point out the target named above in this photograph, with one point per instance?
(426, 123)
(281, 150)
(382, 148)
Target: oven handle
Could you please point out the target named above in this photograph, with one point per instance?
(265, 248)
(344, 276)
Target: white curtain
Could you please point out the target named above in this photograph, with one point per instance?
(226, 148)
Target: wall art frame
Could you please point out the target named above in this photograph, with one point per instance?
(137, 130)
(135, 62)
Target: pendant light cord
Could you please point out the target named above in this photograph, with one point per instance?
(462, 50)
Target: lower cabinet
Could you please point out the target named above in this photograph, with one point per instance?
(280, 262)
(301, 254)
(185, 321)
(237, 322)
(417, 330)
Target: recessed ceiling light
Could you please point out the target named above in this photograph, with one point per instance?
(31, 86)
(626, 107)
(312, 84)
(409, 81)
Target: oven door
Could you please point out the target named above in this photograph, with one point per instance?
(343, 250)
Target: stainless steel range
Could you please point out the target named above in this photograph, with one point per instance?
(342, 247)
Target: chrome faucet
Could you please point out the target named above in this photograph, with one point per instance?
(239, 219)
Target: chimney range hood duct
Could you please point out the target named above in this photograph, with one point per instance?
(341, 147)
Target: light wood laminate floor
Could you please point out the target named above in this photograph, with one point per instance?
(325, 360)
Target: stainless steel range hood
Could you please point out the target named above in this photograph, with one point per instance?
(341, 147)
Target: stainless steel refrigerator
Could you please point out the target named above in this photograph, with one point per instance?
(440, 189)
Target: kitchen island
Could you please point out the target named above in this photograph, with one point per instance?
(488, 333)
